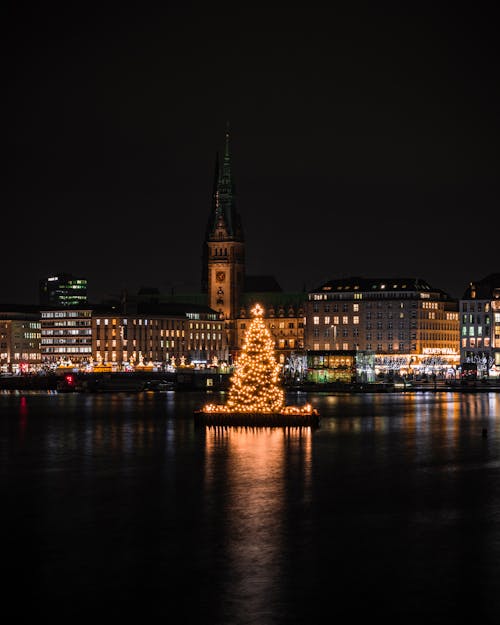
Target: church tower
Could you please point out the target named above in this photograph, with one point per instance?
(224, 250)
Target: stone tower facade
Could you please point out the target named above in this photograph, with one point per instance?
(224, 250)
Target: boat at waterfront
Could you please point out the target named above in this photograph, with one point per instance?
(113, 384)
(159, 386)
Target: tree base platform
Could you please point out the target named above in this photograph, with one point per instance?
(253, 419)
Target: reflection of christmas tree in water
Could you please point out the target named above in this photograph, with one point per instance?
(255, 388)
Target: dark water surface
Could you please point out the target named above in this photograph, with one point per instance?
(116, 506)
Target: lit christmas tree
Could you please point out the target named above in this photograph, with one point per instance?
(255, 388)
(254, 385)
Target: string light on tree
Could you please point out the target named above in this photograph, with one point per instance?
(254, 386)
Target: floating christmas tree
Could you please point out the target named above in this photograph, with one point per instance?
(254, 385)
(255, 388)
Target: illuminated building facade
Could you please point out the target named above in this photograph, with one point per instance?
(66, 335)
(63, 289)
(480, 325)
(19, 339)
(158, 335)
(407, 325)
(283, 316)
(345, 366)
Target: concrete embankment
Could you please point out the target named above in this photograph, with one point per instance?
(194, 380)
(120, 381)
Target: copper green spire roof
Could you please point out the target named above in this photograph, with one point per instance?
(224, 211)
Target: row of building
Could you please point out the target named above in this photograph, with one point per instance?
(356, 326)
(399, 326)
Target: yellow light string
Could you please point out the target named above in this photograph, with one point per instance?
(254, 386)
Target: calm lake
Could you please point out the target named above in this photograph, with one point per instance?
(115, 506)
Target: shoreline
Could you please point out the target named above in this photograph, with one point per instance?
(161, 382)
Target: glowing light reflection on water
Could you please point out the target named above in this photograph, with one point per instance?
(118, 503)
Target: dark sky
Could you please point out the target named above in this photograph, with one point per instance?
(364, 142)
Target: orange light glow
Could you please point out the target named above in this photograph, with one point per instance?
(255, 387)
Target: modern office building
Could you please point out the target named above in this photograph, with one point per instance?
(409, 326)
(63, 289)
(66, 335)
(480, 326)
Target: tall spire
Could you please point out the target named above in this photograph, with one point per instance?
(226, 150)
(215, 189)
(224, 204)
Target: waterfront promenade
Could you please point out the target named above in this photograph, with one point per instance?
(191, 380)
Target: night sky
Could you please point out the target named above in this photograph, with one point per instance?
(364, 142)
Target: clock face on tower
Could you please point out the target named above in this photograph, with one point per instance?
(220, 276)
